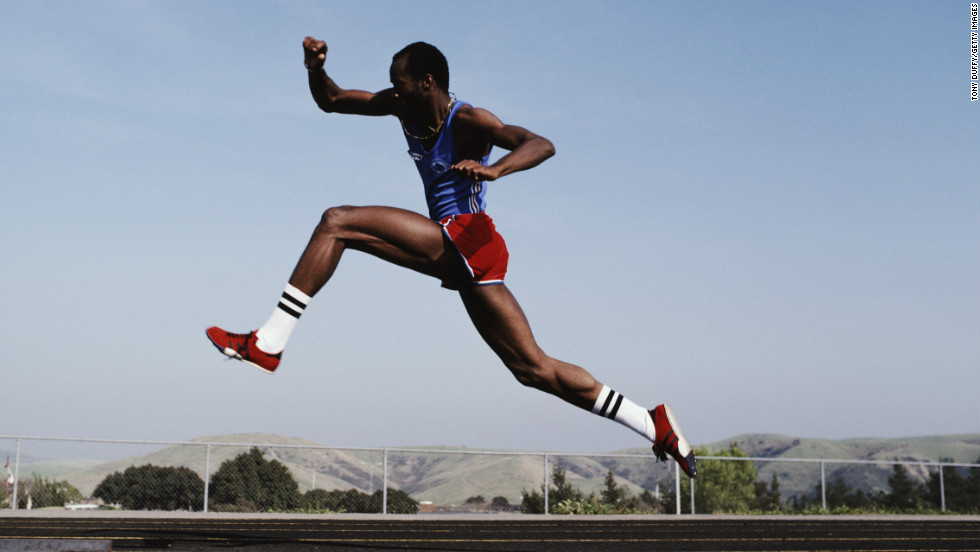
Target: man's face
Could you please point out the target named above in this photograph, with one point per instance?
(409, 93)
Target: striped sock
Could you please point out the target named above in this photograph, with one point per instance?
(274, 334)
(614, 406)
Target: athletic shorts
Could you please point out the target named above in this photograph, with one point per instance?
(481, 248)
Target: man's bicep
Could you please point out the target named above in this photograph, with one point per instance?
(362, 102)
(510, 136)
(486, 128)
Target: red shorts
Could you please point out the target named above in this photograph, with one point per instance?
(480, 246)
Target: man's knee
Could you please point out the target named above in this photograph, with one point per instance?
(334, 219)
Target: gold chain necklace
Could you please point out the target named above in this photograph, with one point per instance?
(433, 130)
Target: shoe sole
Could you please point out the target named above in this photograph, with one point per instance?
(231, 353)
(682, 442)
(237, 356)
(684, 449)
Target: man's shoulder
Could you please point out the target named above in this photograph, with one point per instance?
(471, 115)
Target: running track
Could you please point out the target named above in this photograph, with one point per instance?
(214, 532)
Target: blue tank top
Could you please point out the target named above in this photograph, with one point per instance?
(446, 192)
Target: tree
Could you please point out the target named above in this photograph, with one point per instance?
(951, 485)
(249, 480)
(905, 493)
(668, 498)
(319, 500)
(961, 495)
(837, 492)
(499, 503)
(648, 498)
(767, 498)
(613, 494)
(399, 502)
(152, 487)
(353, 501)
(972, 494)
(44, 493)
(533, 502)
(563, 489)
(840, 494)
(724, 486)
(476, 500)
(356, 502)
(349, 501)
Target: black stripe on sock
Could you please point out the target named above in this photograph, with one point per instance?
(293, 300)
(605, 405)
(289, 310)
(619, 401)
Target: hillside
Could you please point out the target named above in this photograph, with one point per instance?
(450, 476)
(803, 477)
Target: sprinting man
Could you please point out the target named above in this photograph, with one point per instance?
(450, 142)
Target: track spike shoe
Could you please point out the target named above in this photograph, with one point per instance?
(670, 440)
(244, 348)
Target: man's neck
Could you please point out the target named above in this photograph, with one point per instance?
(436, 109)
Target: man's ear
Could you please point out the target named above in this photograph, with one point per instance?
(428, 81)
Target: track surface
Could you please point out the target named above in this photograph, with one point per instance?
(500, 533)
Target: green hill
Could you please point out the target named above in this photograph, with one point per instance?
(798, 478)
(450, 476)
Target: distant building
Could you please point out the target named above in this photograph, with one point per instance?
(82, 506)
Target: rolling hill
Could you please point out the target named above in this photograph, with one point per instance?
(450, 476)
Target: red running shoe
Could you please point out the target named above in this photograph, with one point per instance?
(671, 441)
(244, 348)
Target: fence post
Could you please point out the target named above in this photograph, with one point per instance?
(207, 474)
(545, 484)
(13, 499)
(677, 487)
(691, 481)
(823, 484)
(384, 488)
(942, 489)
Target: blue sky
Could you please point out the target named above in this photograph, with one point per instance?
(764, 213)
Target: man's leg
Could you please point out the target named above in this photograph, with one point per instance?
(398, 236)
(501, 322)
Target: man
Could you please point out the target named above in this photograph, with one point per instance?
(450, 142)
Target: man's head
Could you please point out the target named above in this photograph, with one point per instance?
(423, 59)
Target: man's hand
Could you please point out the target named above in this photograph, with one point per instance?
(474, 170)
(314, 53)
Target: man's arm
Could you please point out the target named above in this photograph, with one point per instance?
(334, 99)
(480, 127)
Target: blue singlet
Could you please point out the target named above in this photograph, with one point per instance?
(446, 192)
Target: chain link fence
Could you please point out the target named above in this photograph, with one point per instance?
(289, 477)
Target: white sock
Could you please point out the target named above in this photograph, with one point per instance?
(274, 334)
(614, 406)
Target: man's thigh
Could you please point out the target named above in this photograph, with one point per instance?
(501, 322)
(401, 237)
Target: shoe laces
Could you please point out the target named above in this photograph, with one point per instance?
(243, 346)
(241, 343)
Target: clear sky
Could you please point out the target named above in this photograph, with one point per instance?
(764, 213)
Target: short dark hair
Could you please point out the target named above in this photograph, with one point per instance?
(425, 59)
